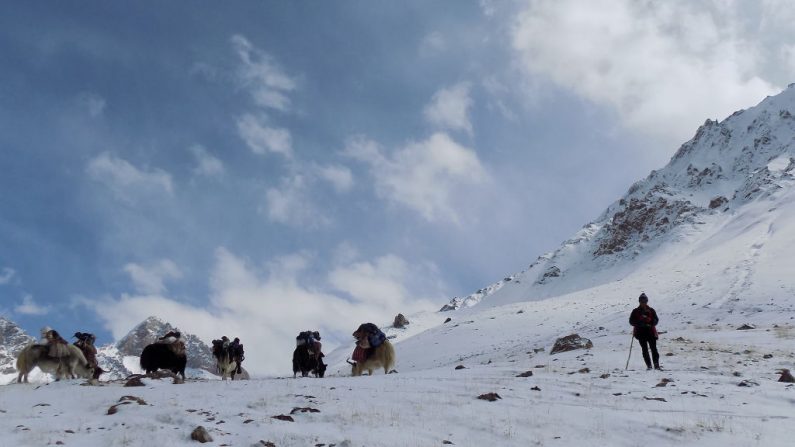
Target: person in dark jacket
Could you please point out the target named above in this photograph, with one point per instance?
(644, 321)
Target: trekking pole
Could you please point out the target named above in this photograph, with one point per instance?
(631, 342)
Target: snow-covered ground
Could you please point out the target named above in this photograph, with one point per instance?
(429, 401)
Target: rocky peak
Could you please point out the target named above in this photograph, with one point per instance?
(148, 331)
(12, 340)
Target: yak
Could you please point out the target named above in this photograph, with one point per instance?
(72, 365)
(164, 356)
(306, 361)
(382, 356)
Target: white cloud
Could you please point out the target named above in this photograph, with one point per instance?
(7, 274)
(262, 139)
(449, 108)
(292, 204)
(125, 179)
(151, 279)
(429, 177)
(267, 83)
(30, 307)
(206, 163)
(662, 66)
(340, 177)
(268, 308)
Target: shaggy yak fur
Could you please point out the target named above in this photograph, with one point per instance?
(71, 366)
(224, 361)
(382, 357)
(164, 356)
(306, 361)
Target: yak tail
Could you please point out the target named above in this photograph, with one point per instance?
(389, 356)
(25, 361)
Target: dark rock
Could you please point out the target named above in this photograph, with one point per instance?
(717, 202)
(663, 383)
(535, 388)
(571, 343)
(460, 367)
(284, 417)
(746, 327)
(266, 443)
(655, 398)
(491, 397)
(448, 320)
(400, 321)
(604, 376)
(786, 377)
(748, 383)
(446, 442)
(767, 356)
(200, 434)
(584, 370)
(526, 374)
(134, 381)
(304, 410)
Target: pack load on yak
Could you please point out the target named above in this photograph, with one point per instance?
(174, 341)
(368, 337)
(236, 350)
(85, 341)
(57, 346)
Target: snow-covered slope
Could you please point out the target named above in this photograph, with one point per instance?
(732, 181)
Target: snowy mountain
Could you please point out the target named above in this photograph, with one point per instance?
(12, 340)
(711, 190)
(121, 359)
(709, 238)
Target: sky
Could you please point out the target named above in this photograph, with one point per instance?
(263, 168)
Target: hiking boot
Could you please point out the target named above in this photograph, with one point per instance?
(658, 368)
(648, 368)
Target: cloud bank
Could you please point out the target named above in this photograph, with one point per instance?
(267, 307)
(663, 67)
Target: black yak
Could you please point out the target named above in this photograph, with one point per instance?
(307, 361)
(169, 356)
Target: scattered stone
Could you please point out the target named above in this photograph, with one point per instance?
(69, 431)
(137, 400)
(669, 354)
(266, 443)
(519, 312)
(748, 383)
(283, 417)
(248, 421)
(446, 442)
(491, 397)
(786, 377)
(304, 410)
(537, 350)
(400, 321)
(655, 398)
(59, 443)
(618, 394)
(526, 374)
(604, 376)
(663, 383)
(737, 374)
(570, 343)
(746, 327)
(41, 405)
(134, 381)
(460, 367)
(200, 434)
(535, 388)
(448, 320)
(767, 356)
(584, 371)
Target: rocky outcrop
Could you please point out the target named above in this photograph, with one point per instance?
(570, 343)
(12, 340)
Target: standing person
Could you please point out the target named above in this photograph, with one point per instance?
(644, 321)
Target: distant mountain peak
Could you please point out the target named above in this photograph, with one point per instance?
(726, 165)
